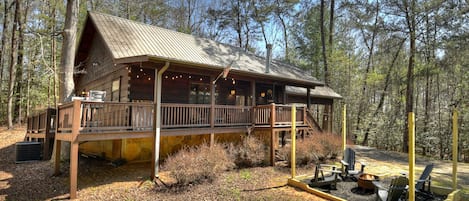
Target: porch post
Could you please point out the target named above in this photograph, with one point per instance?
(74, 144)
(331, 117)
(253, 100)
(308, 98)
(57, 145)
(157, 120)
(272, 134)
(212, 111)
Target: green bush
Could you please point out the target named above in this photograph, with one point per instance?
(198, 164)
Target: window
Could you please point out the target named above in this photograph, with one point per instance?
(199, 94)
(115, 90)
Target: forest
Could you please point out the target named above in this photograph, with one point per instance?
(386, 58)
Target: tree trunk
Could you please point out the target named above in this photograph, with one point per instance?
(19, 74)
(12, 69)
(3, 44)
(410, 17)
(53, 52)
(323, 43)
(387, 82)
(68, 50)
(361, 106)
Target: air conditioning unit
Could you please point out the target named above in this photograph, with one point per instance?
(28, 151)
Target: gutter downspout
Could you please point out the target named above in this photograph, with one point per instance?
(156, 119)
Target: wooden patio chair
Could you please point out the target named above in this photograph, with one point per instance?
(420, 192)
(348, 166)
(322, 180)
(396, 191)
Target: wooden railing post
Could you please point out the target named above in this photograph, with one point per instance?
(304, 115)
(74, 143)
(272, 134)
(212, 112)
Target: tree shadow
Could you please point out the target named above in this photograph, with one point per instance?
(35, 181)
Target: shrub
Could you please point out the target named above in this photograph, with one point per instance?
(198, 164)
(331, 144)
(318, 147)
(251, 152)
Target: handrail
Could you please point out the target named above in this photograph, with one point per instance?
(118, 116)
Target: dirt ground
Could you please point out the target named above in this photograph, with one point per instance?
(99, 180)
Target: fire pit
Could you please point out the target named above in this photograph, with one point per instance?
(365, 181)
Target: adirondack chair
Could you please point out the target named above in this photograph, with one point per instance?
(424, 178)
(420, 192)
(322, 180)
(348, 166)
(396, 191)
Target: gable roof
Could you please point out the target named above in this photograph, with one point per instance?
(133, 41)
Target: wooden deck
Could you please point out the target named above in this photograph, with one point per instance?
(93, 121)
(112, 120)
(41, 128)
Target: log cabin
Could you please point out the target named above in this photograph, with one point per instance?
(165, 89)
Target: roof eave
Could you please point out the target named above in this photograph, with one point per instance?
(145, 58)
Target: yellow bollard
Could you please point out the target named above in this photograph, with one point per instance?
(344, 128)
(411, 125)
(455, 149)
(293, 141)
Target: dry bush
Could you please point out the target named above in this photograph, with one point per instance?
(331, 144)
(197, 164)
(318, 147)
(250, 153)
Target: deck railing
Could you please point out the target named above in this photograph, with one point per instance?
(281, 114)
(227, 115)
(107, 116)
(114, 116)
(184, 115)
(41, 122)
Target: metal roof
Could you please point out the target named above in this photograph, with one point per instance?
(129, 39)
(317, 92)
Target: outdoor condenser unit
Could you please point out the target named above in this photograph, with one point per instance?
(28, 151)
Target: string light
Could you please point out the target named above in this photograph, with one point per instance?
(138, 76)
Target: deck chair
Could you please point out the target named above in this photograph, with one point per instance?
(396, 191)
(322, 180)
(348, 166)
(420, 192)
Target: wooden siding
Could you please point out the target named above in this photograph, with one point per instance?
(100, 72)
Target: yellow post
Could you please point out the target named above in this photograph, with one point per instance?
(455, 149)
(293, 141)
(411, 125)
(344, 128)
